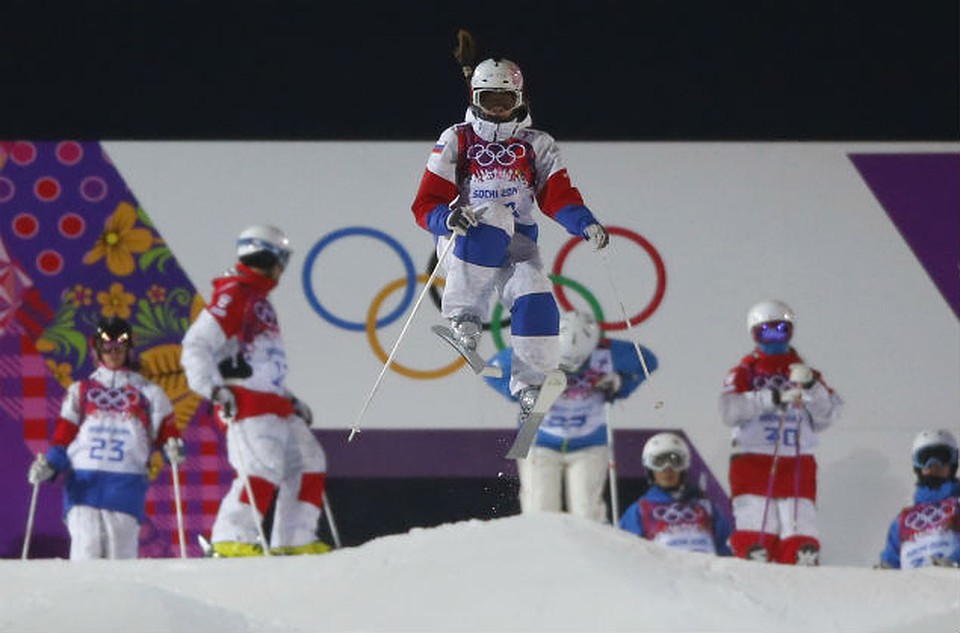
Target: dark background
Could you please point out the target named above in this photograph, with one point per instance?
(646, 70)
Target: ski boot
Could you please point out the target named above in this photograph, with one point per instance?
(464, 335)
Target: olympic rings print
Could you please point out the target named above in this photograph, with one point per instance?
(676, 513)
(487, 154)
(929, 515)
(311, 259)
(371, 323)
(646, 246)
(378, 349)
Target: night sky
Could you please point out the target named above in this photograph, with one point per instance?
(655, 70)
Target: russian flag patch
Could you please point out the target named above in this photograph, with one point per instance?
(438, 148)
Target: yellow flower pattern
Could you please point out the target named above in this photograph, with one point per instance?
(116, 302)
(62, 372)
(119, 241)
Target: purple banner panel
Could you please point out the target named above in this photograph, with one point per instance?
(412, 453)
(921, 194)
(76, 246)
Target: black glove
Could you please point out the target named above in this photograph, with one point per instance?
(461, 219)
(303, 411)
(222, 397)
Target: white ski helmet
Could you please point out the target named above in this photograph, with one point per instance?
(579, 335)
(665, 450)
(265, 241)
(940, 444)
(496, 75)
(767, 311)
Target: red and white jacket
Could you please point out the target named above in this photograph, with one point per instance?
(507, 163)
(745, 407)
(108, 426)
(236, 341)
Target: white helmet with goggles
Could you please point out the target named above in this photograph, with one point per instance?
(666, 450)
(935, 447)
(262, 246)
(496, 88)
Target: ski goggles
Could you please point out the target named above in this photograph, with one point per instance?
(772, 332)
(111, 345)
(663, 461)
(490, 99)
(933, 456)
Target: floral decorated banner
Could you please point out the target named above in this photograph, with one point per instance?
(75, 247)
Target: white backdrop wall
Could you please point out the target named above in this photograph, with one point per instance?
(734, 224)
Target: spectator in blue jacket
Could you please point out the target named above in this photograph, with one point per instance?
(567, 466)
(674, 512)
(928, 532)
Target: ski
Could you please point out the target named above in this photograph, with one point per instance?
(475, 360)
(207, 547)
(552, 388)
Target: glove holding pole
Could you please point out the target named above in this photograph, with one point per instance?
(462, 219)
(801, 380)
(176, 455)
(223, 398)
(597, 236)
(40, 471)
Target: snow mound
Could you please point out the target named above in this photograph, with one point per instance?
(543, 572)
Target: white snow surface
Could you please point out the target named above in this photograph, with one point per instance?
(535, 572)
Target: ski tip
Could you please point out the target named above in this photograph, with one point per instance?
(353, 432)
(491, 371)
(515, 453)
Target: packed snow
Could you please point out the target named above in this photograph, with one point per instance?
(535, 572)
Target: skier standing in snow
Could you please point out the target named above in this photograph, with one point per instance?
(673, 511)
(777, 406)
(482, 182)
(233, 355)
(928, 532)
(568, 463)
(109, 425)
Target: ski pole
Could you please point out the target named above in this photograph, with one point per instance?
(612, 468)
(330, 522)
(175, 474)
(242, 473)
(796, 474)
(623, 311)
(416, 306)
(770, 479)
(30, 515)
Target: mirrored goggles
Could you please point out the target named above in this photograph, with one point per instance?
(933, 456)
(663, 461)
(110, 345)
(773, 332)
(491, 99)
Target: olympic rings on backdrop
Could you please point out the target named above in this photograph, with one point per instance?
(378, 349)
(645, 245)
(496, 324)
(411, 279)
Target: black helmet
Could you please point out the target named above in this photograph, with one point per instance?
(111, 331)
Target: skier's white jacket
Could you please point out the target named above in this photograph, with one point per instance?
(756, 424)
(109, 424)
(508, 163)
